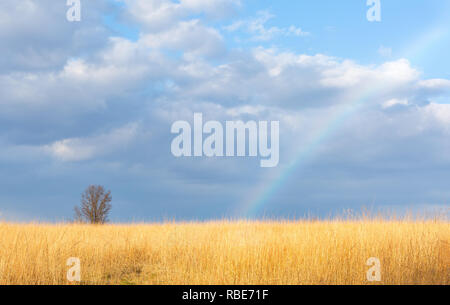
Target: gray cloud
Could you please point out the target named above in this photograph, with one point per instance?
(81, 106)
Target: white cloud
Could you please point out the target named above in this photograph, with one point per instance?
(434, 83)
(80, 149)
(392, 102)
(385, 51)
(439, 113)
(189, 36)
(260, 32)
(160, 15)
(283, 79)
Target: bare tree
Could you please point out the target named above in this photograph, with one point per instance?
(95, 205)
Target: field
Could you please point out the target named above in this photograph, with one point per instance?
(228, 252)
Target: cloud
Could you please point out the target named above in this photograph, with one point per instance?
(385, 51)
(393, 102)
(80, 149)
(296, 81)
(190, 36)
(103, 111)
(35, 35)
(257, 28)
(436, 84)
(161, 15)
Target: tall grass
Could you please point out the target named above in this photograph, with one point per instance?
(228, 252)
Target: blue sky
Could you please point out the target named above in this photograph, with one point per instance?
(363, 106)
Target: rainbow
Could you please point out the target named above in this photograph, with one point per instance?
(259, 198)
(265, 192)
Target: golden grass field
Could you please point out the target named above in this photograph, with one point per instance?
(228, 252)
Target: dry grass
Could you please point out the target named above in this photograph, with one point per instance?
(304, 252)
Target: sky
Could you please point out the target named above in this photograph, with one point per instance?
(363, 106)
